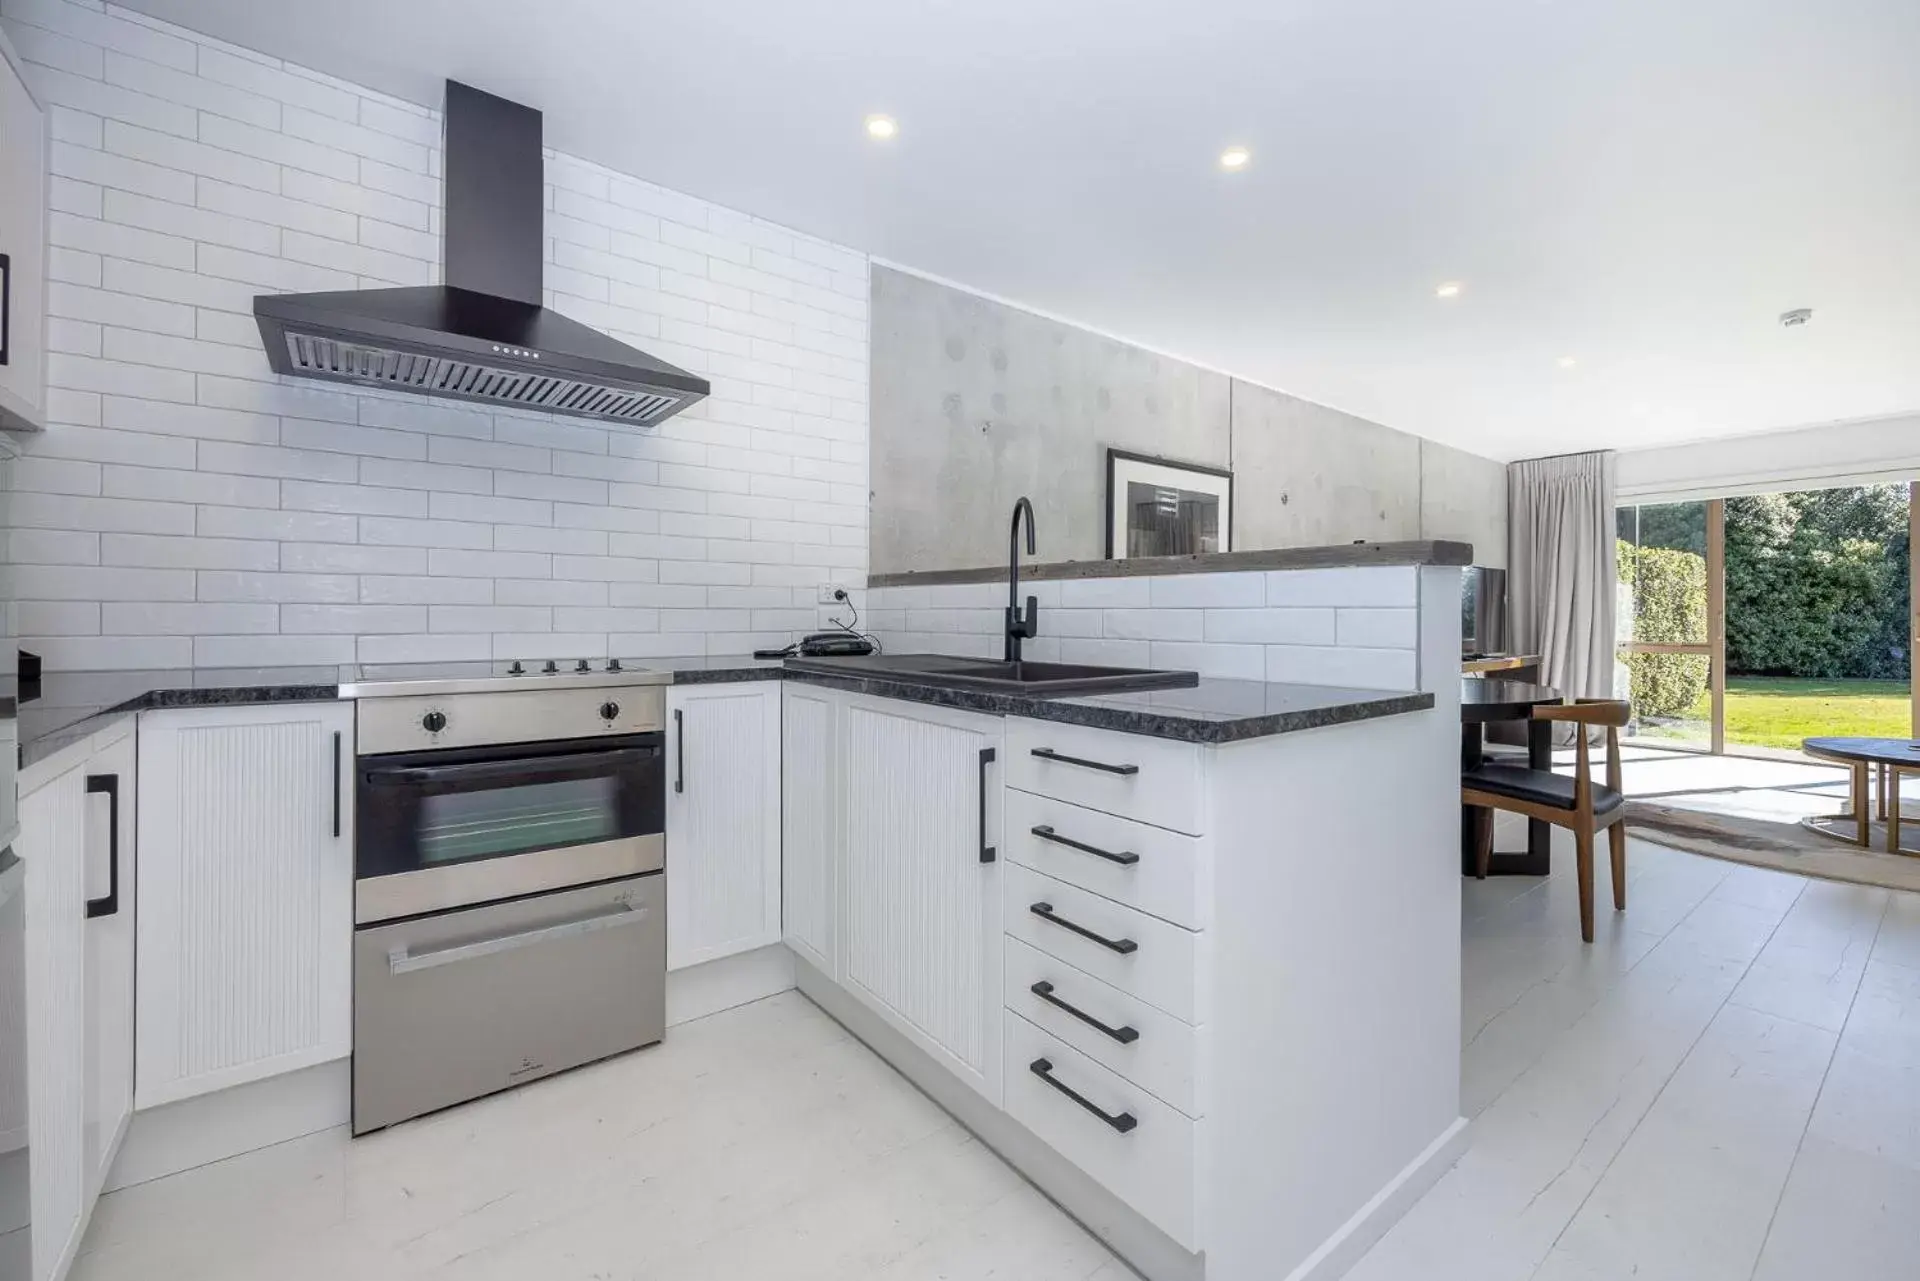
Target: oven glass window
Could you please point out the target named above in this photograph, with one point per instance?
(513, 820)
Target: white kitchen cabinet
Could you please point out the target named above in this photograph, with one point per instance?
(920, 903)
(723, 820)
(810, 824)
(245, 883)
(109, 864)
(53, 846)
(23, 249)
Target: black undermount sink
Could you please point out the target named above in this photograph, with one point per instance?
(1026, 676)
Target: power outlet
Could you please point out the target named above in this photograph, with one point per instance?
(825, 595)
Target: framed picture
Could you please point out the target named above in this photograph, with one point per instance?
(1159, 507)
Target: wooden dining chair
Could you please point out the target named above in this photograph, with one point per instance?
(1578, 803)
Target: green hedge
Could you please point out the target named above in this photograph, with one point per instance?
(1669, 590)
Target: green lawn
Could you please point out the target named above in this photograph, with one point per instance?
(1772, 712)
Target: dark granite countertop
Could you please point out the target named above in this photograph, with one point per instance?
(1432, 551)
(1213, 711)
(68, 706)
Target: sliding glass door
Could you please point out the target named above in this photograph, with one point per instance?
(1749, 623)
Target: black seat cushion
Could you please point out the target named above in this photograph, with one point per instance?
(1537, 786)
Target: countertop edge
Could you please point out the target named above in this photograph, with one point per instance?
(1431, 551)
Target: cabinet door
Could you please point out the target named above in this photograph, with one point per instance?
(922, 940)
(52, 844)
(244, 939)
(23, 240)
(810, 824)
(723, 820)
(109, 872)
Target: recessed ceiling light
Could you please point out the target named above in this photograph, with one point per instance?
(1566, 362)
(1235, 158)
(1797, 317)
(881, 127)
(1451, 289)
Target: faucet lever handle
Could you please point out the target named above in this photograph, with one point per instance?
(1029, 622)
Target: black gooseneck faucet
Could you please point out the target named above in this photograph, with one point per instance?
(1019, 627)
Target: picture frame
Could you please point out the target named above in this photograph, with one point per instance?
(1191, 511)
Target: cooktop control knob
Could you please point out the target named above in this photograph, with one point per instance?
(582, 665)
(608, 711)
(516, 669)
(551, 667)
(433, 722)
(613, 664)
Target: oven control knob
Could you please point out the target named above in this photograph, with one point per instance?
(609, 711)
(433, 722)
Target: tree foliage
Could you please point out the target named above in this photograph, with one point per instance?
(1669, 604)
(1817, 584)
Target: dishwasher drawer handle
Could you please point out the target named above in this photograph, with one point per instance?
(1045, 912)
(1121, 1121)
(1048, 754)
(401, 961)
(1125, 858)
(1125, 1035)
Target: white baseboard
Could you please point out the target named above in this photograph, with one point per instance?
(212, 1127)
(192, 1132)
(1148, 1250)
(708, 988)
(1370, 1222)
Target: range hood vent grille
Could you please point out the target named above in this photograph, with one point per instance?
(323, 357)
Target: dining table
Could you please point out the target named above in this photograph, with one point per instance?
(1483, 700)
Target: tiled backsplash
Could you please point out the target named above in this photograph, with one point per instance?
(185, 506)
(1357, 627)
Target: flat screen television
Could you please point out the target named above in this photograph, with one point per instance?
(1483, 612)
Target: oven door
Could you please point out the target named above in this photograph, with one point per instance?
(445, 829)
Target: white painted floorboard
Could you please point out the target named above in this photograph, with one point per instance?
(1725, 1085)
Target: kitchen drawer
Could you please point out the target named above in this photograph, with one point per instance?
(1162, 873)
(1148, 1047)
(1142, 955)
(1138, 1148)
(1154, 780)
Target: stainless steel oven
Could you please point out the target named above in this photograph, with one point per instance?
(509, 895)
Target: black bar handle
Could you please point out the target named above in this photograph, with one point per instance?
(1125, 1035)
(336, 785)
(1048, 754)
(679, 750)
(987, 852)
(1123, 946)
(1121, 1121)
(6, 307)
(1126, 858)
(110, 905)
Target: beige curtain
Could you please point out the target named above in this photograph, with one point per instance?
(1560, 569)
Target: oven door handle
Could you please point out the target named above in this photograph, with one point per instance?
(482, 771)
(402, 961)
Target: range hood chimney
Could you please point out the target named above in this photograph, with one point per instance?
(483, 335)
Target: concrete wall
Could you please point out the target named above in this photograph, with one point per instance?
(975, 403)
(983, 403)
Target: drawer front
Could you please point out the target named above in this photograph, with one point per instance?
(1162, 873)
(1154, 780)
(1136, 1147)
(1148, 1047)
(1141, 955)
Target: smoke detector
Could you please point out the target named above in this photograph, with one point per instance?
(1797, 317)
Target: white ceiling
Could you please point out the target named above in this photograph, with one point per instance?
(1641, 184)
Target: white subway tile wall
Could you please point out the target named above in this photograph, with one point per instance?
(187, 506)
(1356, 627)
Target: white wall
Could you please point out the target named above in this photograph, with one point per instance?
(1856, 453)
(188, 507)
(1357, 627)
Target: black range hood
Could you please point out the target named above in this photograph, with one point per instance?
(482, 335)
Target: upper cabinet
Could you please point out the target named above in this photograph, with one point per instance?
(723, 820)
(244, 938)
(23, 250)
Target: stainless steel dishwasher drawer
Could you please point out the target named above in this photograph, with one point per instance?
(460, 1004)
